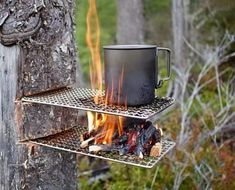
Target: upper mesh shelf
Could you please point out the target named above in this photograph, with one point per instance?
(82, 99)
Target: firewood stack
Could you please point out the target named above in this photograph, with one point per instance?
(140, 140)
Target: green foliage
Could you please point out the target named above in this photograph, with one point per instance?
(158, 22)
(215, 18)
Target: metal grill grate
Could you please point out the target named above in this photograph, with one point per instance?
(81, 98)
(70, 141)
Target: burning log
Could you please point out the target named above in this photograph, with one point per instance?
(81, 138)
(123, 139)
(132, 138)
(156, 150)
(127, 142)
(86, 143)
(150, 132)
(87, 135)
(91, 139)
(100, 147)
(149, 135)
(142, 139)
(160, 130)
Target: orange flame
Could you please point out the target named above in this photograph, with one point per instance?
(93, 43)
(105, 124)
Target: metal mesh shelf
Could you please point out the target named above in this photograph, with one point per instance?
(69, 140)
(81, 98)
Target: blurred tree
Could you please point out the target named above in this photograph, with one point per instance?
(158, 25)
(180, 31)
(130, 26)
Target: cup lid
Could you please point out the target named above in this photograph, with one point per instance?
(134, 46)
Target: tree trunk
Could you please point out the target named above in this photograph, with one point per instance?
(180, 33)
(130, 27)
(41, 57)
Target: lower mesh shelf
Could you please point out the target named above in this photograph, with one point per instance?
(70, 141)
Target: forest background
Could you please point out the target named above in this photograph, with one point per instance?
(201, 34)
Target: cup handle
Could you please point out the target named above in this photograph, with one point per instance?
(168, 51)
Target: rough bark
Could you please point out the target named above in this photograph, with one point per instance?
(130, 27)
(38, 120)
(10, 154)
(40, 57)
(50, 169)
(48, 52)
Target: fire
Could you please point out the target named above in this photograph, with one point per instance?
(105, 125)
(93, 43)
